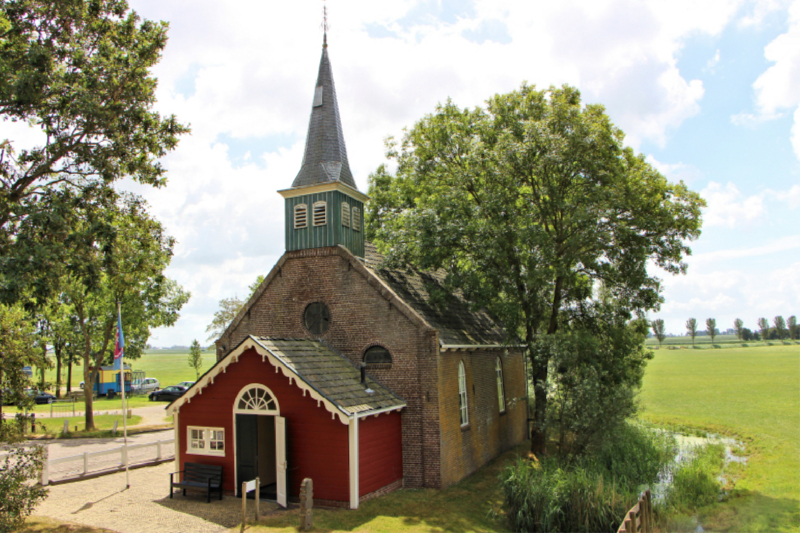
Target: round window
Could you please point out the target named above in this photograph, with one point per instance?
(317, 318)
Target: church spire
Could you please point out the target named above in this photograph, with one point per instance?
(325, 158)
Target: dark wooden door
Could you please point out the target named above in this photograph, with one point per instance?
(246, 449)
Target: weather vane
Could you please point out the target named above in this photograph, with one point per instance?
(324, 23)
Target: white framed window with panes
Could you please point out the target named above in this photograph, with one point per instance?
(462, 394)
(205, 440)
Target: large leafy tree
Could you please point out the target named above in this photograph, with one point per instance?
(691, 328)
(126, 268)
(738, 326)
(77, 71)
(711, 329)
(228, 309)
(527, 204)
(658, 330)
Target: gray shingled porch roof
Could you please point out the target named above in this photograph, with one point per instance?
(453, 316)
(331, 374)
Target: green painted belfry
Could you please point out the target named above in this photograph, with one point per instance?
(324, 207)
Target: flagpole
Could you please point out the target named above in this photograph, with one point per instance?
(124, 407)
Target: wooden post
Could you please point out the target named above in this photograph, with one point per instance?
(649, 505)
(634, 524)
(258, 493)
(66, 427)
(306, 504)
(244, 505)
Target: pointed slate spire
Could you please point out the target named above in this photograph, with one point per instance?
(325, 158)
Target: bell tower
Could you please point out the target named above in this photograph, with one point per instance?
(324, 207)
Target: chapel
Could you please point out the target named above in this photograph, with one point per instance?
(344, 370)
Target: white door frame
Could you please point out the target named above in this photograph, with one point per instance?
(273, 411)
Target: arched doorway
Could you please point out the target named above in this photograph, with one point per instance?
(260, 440)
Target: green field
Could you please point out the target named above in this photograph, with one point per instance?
(167, 366)
(753, 394)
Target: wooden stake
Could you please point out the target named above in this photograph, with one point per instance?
(244, 505)
(258, 493)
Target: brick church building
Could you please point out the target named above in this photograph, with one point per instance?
(343, 370)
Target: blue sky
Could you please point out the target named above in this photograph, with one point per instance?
(708, 91)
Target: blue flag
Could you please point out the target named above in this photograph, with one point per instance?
(119, 347)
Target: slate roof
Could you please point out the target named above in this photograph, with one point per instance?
(331, 374)
(453, 316)
(325, 158)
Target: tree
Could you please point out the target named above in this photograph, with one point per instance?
(658, 330)
(763, 326)
(20, 468)
(691, 328)
(738, 325)
(780, 327)
(748, 335)
(711, 329)
(78, 70)
(196, 357)
(228, 309)
(527, 204)
(792, 326)
(127, 269)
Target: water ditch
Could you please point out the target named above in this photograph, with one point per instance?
(686, 449)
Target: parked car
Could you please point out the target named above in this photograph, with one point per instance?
(186, 384)
(171, 393)
(147, 384)
(44, 397)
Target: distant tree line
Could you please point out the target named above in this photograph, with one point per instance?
(780, 329)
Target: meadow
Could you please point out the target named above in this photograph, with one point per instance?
(752, 394)
(167, 366)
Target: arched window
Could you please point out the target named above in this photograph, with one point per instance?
(300, 216)
(462, 394)
(501, 396)
(345, 214)
(356, 219)
(377, 355)
(255, 399)
(320, 213)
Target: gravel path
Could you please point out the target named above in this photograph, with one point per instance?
(145, 507)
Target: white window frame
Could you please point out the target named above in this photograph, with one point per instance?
(345, 214)
(206, 449)
(304, 209)
(501, 395)
(356, 219)
(324, 205)
(462, 394)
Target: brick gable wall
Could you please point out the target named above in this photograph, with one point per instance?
(363, 313)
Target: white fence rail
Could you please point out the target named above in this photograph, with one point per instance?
(76, 466)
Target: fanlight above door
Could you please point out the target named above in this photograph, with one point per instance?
(256, 399)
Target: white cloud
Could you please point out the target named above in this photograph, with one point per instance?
(778, 88)
(676, 172)
(784, 244)
(728, 207)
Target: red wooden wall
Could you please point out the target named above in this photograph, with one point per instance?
(316, 447)
(380, 445)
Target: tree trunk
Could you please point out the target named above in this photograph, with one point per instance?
(539, 368)
(69, 373)
(57, 349)
(88, 387)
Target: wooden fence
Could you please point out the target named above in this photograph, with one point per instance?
(640, 517)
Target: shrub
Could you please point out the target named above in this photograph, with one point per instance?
(695, 483)
(590, 493)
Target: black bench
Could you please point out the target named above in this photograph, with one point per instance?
(196, 476)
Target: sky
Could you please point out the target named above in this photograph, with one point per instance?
(708, 91)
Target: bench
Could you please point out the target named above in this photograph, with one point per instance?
(196, 476)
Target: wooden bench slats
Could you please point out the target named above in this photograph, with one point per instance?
(198, 476)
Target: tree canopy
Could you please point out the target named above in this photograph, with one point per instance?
(529, 204)
(77, 71)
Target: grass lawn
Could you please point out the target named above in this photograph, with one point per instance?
(167, 366)
(750, 393)
(103, 423)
